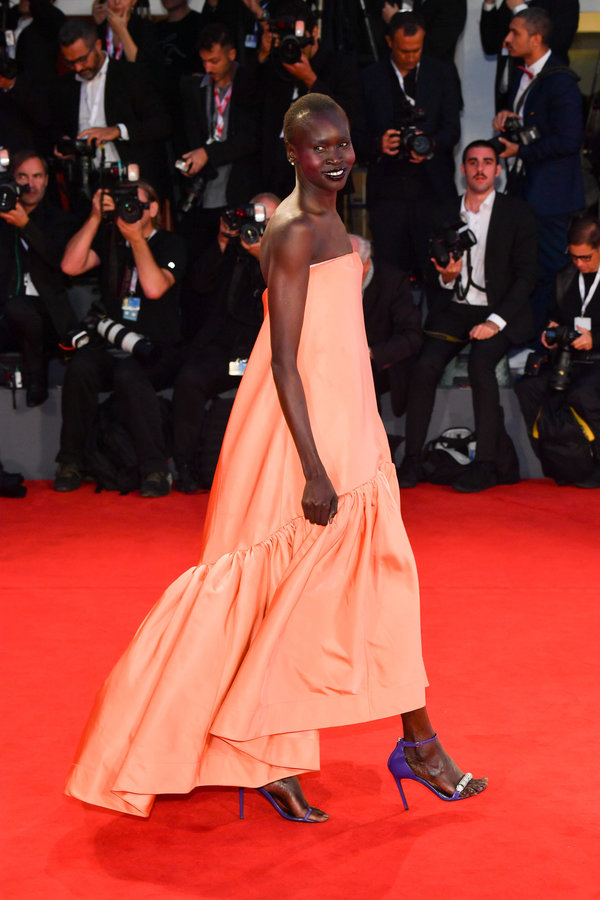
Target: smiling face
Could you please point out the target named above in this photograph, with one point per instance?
(480, 169)
(322, 151)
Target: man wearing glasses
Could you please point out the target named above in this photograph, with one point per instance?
(576, 306)
(111, 102)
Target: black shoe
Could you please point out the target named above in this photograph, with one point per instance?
(36, 394)
(68, 477)
(156, 484)
(592, 481)
(187, 481)
(11, 484)
(410, 472)
(478, 476)
(10, 479)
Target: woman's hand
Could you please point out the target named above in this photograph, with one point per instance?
(319, 501)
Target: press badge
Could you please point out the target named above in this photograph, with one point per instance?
(131, 308)
(582, 322)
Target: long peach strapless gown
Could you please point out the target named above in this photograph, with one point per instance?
(284, 627)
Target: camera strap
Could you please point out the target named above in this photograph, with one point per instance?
(461, 292)
(585, 298)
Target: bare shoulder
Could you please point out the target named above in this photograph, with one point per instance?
(289, 238)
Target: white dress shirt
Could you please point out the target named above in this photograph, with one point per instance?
(479, 223)
(535, 68)
(91, 110)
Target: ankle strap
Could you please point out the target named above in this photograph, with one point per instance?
(419, 743)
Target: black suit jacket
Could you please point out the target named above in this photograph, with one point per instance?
(46, 234)
(438, 95)
(493, 28)
(242, 144)
(510, 268)
(128, 99)
(444, 22)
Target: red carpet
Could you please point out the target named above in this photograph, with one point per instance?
(511, 614)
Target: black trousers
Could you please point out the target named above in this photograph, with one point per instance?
(400, 231)
(204, 375)
(395, 379)
(493, 443)
(583, 394)
(94, 369)
(33, 334)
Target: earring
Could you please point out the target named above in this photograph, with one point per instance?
(291, 161)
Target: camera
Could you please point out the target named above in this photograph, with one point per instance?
(292, 38)
(121, 182)
(197, 186)
(561, 337)
(411, 139)
(250, 221)
(451, 242)
(10, 190)
(77, 147)
(115, 333)
(517, 133)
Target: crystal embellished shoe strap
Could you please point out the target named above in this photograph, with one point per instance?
(467, 777)
(417, 743)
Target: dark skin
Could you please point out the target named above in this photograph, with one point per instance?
(306, 229)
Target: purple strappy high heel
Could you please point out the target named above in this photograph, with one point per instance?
(279, 808)
(400, 769)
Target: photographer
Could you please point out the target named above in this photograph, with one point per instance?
(576, 307)
(547, 171)
(110, 102)
(412, 106)
(481, 297)
(35, 307)
(140, 272)
(220, 111)
(289, 66)
(229, 287)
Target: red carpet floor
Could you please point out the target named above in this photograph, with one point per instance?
(511, 614)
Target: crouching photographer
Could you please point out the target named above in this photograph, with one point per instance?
(570, 371)
(140, 272)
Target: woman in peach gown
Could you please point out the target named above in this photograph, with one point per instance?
(303, 612)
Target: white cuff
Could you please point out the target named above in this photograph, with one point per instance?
(497, 320)
(449, 286)
(124, 132)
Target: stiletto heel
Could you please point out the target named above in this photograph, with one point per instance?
(241, 798)
(400, 770)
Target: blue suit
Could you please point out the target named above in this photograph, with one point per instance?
(553, 183)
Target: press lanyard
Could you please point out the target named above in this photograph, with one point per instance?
(221, 105)
(115, 51)
(585, 299)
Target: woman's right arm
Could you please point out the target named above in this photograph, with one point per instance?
(287, 280)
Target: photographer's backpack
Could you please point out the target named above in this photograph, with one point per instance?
(563, 441)
(445, 457)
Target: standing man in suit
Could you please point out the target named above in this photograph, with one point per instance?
(482, 299)
(401, 183)
(549, 169)
(220, 111)
(494, 24)
(111, 102)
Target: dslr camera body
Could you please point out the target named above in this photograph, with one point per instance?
(450, 242)
(412, 139)
(249, 221)
(10, 190)
(121, 182)
(559, 339)
(517, 133)
(292, 38)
